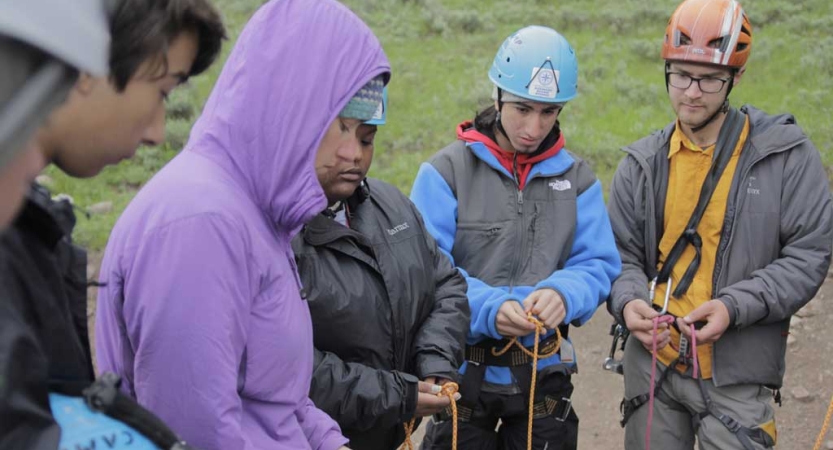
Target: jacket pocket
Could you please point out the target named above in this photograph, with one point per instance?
(485, 250)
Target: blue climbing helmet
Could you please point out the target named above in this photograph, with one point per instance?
(101, 416)
(84, 427)
(382, 111)
(536, 63)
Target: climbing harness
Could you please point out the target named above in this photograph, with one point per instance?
(523, 362)
(667, 319)
(539, 328)
(448, 390)
(610, 363)
(724, 147)
(727, 139)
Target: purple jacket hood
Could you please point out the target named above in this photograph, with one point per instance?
(294, 67)
(201, 312)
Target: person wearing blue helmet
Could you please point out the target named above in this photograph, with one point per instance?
(389, 311)
(523, 219)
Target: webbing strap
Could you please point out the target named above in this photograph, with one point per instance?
(104, 395)
(726, 142)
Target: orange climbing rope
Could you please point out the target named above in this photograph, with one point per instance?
(448, 390)
(539, 329)
(824, 426)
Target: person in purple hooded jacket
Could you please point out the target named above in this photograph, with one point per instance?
(203, 313)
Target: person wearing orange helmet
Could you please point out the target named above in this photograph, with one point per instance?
(724, 224)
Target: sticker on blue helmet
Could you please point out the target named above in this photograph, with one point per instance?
(82, 427)
(544, 82)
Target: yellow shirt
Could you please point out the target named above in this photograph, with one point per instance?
(688, 166)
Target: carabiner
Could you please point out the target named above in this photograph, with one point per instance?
(651, 294)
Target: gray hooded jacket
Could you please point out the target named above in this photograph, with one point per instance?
(774, 249)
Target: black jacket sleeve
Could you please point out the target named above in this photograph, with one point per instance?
(25, 416)
(359, 397)
(440, 343)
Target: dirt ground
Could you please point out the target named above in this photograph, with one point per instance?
(808, 384)
(799, 420)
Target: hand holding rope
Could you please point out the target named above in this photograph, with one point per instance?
(539, 330)
(447, 390)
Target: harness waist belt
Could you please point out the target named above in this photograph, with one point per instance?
(481, 353)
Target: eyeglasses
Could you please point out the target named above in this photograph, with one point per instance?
(708, 85)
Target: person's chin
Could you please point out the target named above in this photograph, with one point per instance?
(74, 169)
(345, 190)
(692, 115)
(525, 149)
(526, 145)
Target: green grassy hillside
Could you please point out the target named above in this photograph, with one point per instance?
(441, 51)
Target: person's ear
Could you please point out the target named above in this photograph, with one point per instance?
(85, 83)
(738, 74)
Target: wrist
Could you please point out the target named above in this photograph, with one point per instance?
(731, 308)
(411, 395)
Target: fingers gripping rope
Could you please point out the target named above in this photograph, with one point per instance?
(539, 329)
(448, 390)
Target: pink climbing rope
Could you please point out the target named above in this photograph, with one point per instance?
(657, 320)
(695, 370)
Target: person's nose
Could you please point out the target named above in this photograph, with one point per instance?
(154, 134)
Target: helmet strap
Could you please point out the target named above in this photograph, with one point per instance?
(498, 124)
(723, 108)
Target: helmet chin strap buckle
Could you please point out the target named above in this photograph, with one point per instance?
(723, 110)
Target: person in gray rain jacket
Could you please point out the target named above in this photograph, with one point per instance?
(729, 212)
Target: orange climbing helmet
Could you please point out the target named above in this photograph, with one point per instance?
(710, 32)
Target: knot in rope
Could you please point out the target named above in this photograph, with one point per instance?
(539, 330)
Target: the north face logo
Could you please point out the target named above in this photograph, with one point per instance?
(560, 185)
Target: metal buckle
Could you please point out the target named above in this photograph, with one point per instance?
(611, 363)
(567, 409)
(101, 395)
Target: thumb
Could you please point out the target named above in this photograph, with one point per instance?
(428, 388)
(646, 311)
